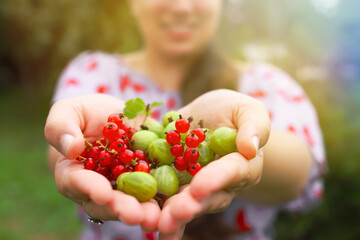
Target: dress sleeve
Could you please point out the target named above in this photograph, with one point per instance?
(88, 73)
(290, 110)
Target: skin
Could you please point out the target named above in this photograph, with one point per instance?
(271, 173)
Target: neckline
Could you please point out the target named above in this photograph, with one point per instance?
(145, 77)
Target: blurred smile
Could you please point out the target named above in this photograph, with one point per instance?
(179, 31)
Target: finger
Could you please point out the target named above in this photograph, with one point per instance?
(70, 119)
(63, 128)
(79, 184)
(187, 206)
(151, 212)
(184, 207)
(175, 236)
(167, 224)
(128, 209)
(215, 202)
(97, 211)
(253, 125)
(232, 171)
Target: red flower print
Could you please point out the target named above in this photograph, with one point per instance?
(291, 129)
(319, 193)
(71, 82)
(92, 66)
(124, 82)
(155, 114)
(257, 94)
(102, 89)
(170, 104)
(150, 236)
(290, 98)
(308, 136)
(242, 222)
(271, 115)
(139, 87)
(269, 74)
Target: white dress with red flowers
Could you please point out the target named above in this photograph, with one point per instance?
(289, 108)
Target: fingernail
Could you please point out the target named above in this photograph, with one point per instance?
(65, 143)
(255, 141)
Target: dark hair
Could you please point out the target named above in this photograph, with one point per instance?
(211, 71)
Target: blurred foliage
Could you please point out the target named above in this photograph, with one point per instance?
(39, 37)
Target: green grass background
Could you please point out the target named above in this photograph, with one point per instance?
(30, 206)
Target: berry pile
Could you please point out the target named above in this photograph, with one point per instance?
(155, 160)
(185, 160)
(110, 155)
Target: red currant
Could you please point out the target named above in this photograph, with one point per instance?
(100, 142)
(200, 133)
(191, 155)
(177, 150)
(173, 137)
(118, 145)
(140, 155)
(116, 118)
(180, 163)
(182, 125)
(125, 138)
(127, 156)
(94, 152)
(142, 166)
(194, 168)
(90, 164)
(110, 130)
(131, 132)
(105, 158)
(119, 169)
(121, 133)
(115, 161)
(126, 127)
(101, 170)
(130, 168)
(83, 155)
(192, 140)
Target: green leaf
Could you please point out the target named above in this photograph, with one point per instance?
(155, 104)
(133, 107)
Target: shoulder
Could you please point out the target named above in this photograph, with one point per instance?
(261, 70)
(265, 76)
(92, 60)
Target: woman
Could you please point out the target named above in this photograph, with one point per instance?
(177, 64)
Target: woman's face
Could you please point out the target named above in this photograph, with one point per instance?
(177, 27)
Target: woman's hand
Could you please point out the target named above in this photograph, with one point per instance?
(214, 186)
(68, 123)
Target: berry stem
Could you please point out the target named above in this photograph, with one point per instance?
(107, 144)
(88, 144)
(147, 112)
(201, 123)
(190, 119)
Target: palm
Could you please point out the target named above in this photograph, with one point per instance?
(85, 117)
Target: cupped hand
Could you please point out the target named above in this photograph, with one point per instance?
(215, 185)
(68, 123)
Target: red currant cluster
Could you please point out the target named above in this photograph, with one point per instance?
(110, 156)
(185, 160)
(156, 160)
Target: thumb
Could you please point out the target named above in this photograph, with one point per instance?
(253, 129)
(63, 129)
